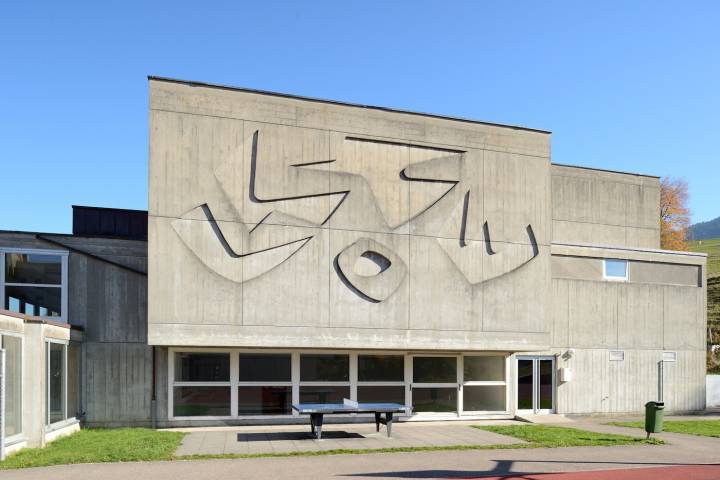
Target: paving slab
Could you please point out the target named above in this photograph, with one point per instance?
(294, 438)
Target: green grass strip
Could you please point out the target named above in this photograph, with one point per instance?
(141, 444)
(100, 445)
(705, 428)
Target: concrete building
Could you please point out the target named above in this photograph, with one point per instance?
(310, 250)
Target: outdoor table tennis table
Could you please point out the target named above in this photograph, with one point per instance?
(318, 410)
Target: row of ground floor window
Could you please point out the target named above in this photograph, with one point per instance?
(241, 383)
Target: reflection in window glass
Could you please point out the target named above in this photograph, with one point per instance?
(202, 367)
(264, 400)
(483, 369)
(33, 268)
(13, 384)
(56, 382)
(201, 401)
(323, 394)
(434, 399)
(488, 398)
(381, 368)
(38, 301)
(324, 368)
(265, 367)
(615, 269)
(73, 380)
(381, 394)
(434, 370)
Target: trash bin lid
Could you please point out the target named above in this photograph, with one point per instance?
(658, 405)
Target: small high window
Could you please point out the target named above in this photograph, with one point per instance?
(615, 269)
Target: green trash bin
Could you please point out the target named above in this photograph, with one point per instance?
(654, 413)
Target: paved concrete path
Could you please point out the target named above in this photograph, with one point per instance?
(297, 438)
(683, 450)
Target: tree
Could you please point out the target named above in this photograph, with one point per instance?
(674, 214)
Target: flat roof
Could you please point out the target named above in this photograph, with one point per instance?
(336, 102)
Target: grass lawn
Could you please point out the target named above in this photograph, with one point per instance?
(706, 428)
(140, 444)
(100, 445)
(542, 436)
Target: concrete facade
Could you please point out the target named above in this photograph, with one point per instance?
(287, 196)
(294, 223)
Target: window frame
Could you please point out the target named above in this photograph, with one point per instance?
(63, 286)
(615, 278)
(480, 383)
(18, 436)
(354, 374)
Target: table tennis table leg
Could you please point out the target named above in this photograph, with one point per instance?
(388, 422)
(377, 421)
(316, 422)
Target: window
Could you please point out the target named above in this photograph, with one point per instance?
(324, 378)
(616, 355)
(484, 383)
(33, 282)
(201, 384)
(13, 384)
(614, 269)
(56, 381)
(381, 379)
(73, 380)
(265, 384)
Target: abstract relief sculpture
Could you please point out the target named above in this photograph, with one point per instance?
(282, 192)
(373, 286)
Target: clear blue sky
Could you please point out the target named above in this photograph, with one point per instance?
(623, 85)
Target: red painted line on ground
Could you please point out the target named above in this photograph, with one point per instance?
(684, 472)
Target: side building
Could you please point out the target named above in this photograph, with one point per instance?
(74, 326)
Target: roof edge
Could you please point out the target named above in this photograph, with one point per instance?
(193, 83)
(605, 170)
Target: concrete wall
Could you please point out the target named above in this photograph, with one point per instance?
(605, 208)
(262, 207)
(642, 318)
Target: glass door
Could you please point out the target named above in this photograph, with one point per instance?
(535, 384)
(435, 385)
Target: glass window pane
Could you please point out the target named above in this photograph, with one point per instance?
(434, 399)
(265, 367)
(73, 395)
(13, 384)
(545, 394)
(39, 301)
(525, 384)
(202, 367)
(381, 368)
(201, 401)
(434, 370)
(490, 398)
(56, 382)
(484, 369)
(324, 368)
(33, 268)
(324, 394)
(381, 394)
(264, 400)
(615, 268)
